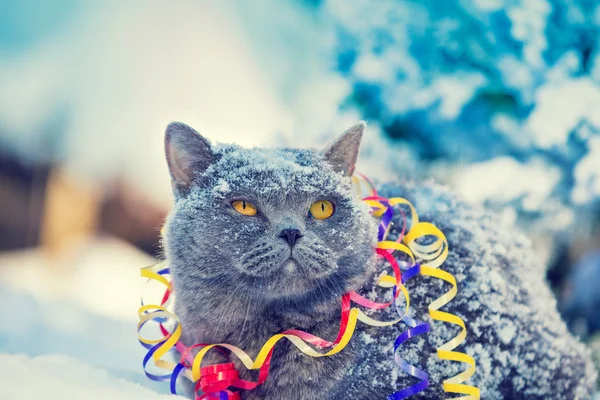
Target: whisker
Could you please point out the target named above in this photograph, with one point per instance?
(244, 324)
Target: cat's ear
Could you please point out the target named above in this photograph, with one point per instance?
(188, 154)
(343, 152)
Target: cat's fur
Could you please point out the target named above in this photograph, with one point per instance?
(234, 283)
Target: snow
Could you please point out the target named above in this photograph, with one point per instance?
(451, 91)
(574, 100)
(528, 25)
(507, 332)
(456, 91)
(371, 68)
(515, 73)
(81, 306)
(504, 179)
(489, 5)
(83, 275)
(60, 377)
(468, 82)
(37, 328)
(587, 174)
(222, 186)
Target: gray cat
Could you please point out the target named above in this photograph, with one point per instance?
(251, 256)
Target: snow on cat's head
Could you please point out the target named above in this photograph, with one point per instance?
(266, 224)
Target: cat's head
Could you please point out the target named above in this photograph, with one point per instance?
(266, 224)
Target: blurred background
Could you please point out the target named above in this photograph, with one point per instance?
(498, 99)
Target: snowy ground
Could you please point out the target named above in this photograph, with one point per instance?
(69, 324)
(61, 377)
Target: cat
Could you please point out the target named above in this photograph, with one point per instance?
(250, 259)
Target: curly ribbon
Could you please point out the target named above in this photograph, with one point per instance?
(415, 327)
(215, 380)
(446, 351)
(435, 254)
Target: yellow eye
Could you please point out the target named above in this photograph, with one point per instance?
(321, 209)
(244, 207)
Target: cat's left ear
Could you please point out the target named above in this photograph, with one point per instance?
(343, 152)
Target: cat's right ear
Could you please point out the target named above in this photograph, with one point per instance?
(188, 155)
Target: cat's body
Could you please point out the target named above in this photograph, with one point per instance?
(234, 283)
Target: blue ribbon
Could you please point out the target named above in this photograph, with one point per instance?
(416, 328)
(147, 358)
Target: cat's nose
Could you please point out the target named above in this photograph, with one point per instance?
(290, 236)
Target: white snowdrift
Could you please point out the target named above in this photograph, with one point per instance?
(60, 377)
